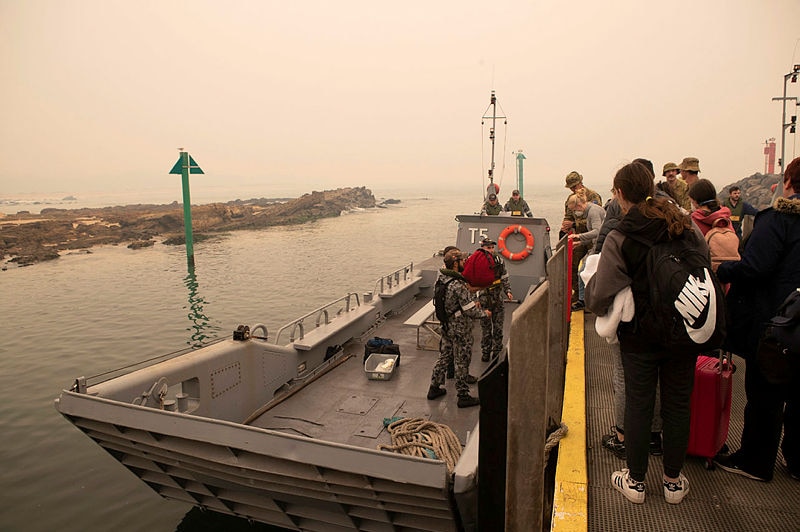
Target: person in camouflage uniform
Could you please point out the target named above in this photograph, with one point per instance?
(462, 308)
(677, 187)
(574, 182)
(491, 298)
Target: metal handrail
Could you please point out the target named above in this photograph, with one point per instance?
(321, 315)
(393, 278)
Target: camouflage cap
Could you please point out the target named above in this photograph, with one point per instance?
(488, 242)
(668, 167)
(690, 163)
(573, 178)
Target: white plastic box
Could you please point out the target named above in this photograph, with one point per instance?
(380, 367)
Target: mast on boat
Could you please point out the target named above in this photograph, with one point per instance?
(493, 117)
(520, 181)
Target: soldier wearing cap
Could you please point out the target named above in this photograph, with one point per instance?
(574, 182)
(517, 206)
(491, 206)
(462, 308)
(689, 168)
(491, 298)
(676, 187)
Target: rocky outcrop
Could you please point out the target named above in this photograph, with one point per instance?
(31, 238)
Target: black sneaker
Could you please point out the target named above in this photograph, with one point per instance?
(612, 443)
(471, 379)
(728, 463)
(435, 392)
(656, 448)
(465, 401)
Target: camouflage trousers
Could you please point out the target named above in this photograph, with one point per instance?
(455, 347)
(492, 328)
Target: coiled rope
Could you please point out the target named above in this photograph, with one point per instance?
(426, 439)
(423, 438)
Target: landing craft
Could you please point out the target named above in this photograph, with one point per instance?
(290, 427)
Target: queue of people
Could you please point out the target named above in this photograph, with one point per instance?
(652, 385)
(768, 270)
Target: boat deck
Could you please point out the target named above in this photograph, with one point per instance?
(717, 500)
(357, 405)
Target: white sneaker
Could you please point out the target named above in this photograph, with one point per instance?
(674, 492)
(633, 490)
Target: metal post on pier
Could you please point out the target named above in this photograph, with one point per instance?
(791, 124)
(184, 167)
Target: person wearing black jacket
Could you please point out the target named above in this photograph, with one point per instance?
(767, 272)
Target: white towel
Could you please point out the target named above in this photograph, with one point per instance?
(621, 309)
(589, 267)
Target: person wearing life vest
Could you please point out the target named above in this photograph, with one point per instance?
(462, 308)
(491, 298)
(517, 206)
(491, 206)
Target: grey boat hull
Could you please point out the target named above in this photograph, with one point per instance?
(287, 433)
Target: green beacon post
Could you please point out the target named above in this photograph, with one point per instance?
(184, 167)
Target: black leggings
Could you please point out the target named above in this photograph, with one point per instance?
(675, 374)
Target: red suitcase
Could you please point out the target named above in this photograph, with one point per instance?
(711, 406)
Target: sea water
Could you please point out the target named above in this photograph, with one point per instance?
(86, 313)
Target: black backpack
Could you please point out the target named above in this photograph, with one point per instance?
(685, 310)
(779, 348)
(439, 294)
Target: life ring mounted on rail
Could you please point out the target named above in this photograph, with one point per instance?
(501, 242)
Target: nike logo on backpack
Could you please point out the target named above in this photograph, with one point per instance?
(697, 304)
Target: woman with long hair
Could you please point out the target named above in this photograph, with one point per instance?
(706, 209)
(645, 361)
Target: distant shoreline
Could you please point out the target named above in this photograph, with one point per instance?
(29, 238)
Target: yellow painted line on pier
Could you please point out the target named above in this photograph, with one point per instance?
(570, 499)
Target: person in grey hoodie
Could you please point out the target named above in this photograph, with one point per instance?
(646, 363)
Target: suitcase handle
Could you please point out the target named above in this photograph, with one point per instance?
(725, 361)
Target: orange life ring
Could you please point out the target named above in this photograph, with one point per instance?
(501, 242)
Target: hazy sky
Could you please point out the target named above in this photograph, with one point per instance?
(97, 95)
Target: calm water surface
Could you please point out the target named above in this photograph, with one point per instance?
(84, 314)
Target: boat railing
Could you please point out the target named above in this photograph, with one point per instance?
(141, 364)
(321, 316)
(387, 282)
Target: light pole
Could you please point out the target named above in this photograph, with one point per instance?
(791, 124)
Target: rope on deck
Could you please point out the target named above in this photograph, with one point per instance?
(423, 438)
(552, 440)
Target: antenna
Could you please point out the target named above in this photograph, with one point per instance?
(492, 128)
